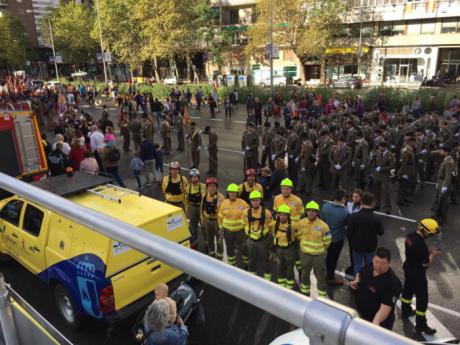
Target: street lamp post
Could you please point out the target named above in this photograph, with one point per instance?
(360, 47)
(100, 37)
(52, 44)
(54, 51)
(271, 48)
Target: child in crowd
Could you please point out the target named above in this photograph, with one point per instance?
(159, 161)
(136, 165)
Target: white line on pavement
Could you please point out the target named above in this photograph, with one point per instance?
(230, 150)
(182, 168)
(218, 120)
(388, 215)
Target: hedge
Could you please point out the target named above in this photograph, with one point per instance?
(396, 98)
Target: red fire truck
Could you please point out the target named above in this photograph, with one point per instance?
(21, 149)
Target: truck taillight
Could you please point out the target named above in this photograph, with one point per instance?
(107, 300)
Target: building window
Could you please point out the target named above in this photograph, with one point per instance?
(449, 25)
(392, 28)
(428, 28)
(413, 28)
(234, 17)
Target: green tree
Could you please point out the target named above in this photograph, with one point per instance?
(307, 27)
(13, 48)
(121, 31)
(71, 24)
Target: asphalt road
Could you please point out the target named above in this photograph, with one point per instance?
(233, 322)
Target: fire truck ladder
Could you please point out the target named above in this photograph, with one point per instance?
(112, 192)
(27, 142)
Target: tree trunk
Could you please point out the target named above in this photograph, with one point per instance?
(155, 69)
(323, 70)
(172, 62)
(191, 68)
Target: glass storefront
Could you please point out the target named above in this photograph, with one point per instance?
(450, 63)
(404, 71)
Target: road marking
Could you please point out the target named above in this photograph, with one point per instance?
(218, 120)
(387, 215)
(230, 150)
(182, 168)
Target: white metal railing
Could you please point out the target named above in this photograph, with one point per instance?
(323, 321)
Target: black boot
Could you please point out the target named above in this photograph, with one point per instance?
(422, 326)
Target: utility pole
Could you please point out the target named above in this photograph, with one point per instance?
(271, 48)
(54, 51)
(360, 47)
(100, 37)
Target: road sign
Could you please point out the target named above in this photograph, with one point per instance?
(58, 59)
(107, 57)
(276, 51)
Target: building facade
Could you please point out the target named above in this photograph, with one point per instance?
(406, 40)
(385, 42)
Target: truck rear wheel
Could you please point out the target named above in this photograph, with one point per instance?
(66, 307)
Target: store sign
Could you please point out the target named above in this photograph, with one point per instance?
(345, 51)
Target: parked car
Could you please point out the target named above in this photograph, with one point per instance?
(277, 81)
(347, 81)
(171, 80)
(53, 83)
(37, 84)
(79, 74)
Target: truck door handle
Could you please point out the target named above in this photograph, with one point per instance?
(36, 249)
(14, 235)
(153, 269)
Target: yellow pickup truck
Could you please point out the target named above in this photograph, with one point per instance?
(91, 274)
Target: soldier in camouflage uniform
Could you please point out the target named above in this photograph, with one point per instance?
(339, 159)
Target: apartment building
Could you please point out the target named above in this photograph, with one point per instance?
(383, 41)
(403, 41)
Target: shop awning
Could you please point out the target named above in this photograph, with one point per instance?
(345, 50)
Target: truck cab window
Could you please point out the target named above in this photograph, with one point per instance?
(33, 219)
(11, 212)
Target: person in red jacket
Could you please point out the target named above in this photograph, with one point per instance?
(76, 155)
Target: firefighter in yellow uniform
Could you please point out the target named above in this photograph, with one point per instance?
(314, 238)
(249, 185)
(284, 232)
(174, 186)
(210, 206)
(258, 223)
(231, 223)
(294, 202)
(193, 196)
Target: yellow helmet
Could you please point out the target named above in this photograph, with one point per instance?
(312, 205)
(232, 187)
(284, 209)
(287, 183)
(429, 225)
(255, 194)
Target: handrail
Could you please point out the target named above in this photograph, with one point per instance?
(323, 321)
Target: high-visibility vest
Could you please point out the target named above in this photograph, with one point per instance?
(314, 236)
(257, 222)
(231, 214)
(294, 203)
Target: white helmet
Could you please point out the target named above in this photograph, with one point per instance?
(194, 172)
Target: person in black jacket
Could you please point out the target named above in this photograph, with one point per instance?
(362, 230)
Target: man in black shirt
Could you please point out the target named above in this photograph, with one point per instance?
(377, 289)
(362, 230)
(418, 259)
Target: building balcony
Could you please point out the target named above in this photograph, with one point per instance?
(375, 10)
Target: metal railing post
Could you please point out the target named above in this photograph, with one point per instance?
(324, 321)
(6, 315)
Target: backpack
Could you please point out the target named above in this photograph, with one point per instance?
(113, 155)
